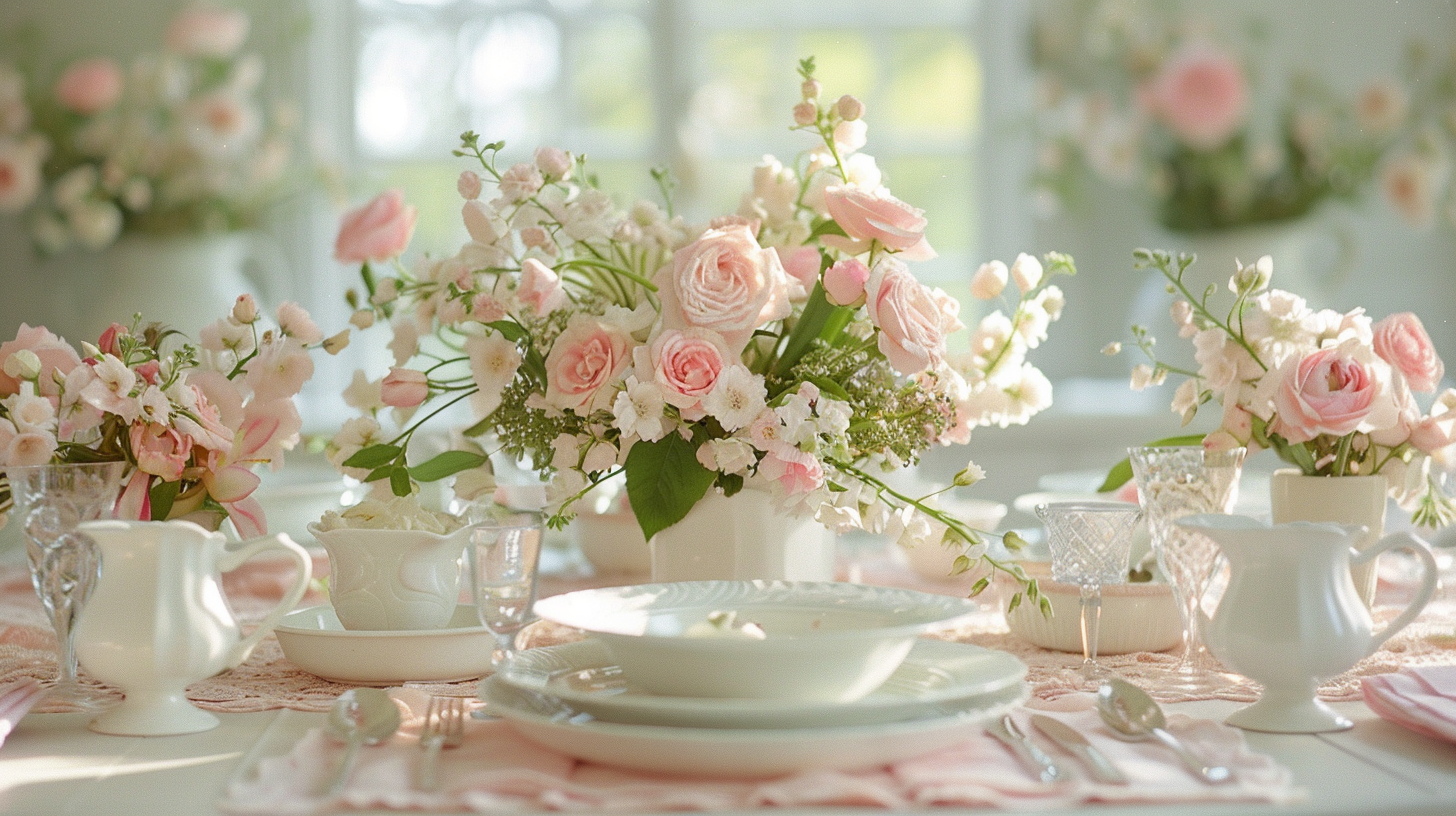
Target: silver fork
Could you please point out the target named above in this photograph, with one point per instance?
(444, 728)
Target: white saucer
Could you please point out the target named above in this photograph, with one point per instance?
(315, 641)
(737, 752)
(936, 674)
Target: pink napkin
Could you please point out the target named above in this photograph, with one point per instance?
(16, 699)
(1422, 699)
(497, 770)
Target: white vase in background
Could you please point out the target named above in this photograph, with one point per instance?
(1355, 500)
(182, 281)
(742, 537)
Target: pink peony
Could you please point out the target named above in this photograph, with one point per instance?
(588, 357)
(1402, 341)
(686, 363)
(726, 282)
(89, 86)
(207, 31)
(867, 215)
(1201, 95)
(56, 356)
(377, 231)
(404, 388)
(1329, 391)
(911, 320)
(844, 282)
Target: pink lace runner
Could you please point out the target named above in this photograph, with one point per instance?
(269, 681)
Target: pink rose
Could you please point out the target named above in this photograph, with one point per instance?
(867, 215)
(160, 450)
(377, 231)
(588, 357)
(726, 282)
(910, 317)
(801, 264)
(89, 86)
(686, 363)
(1329, 391)
(56, 356)
(540, 287)
(844, 282)
(1402, 341)
(1201, 95)
(207, 31)
(404, 388)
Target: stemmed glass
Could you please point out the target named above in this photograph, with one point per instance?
(51, 500)
(1174, 482)
(502, 557)
(1091, 543)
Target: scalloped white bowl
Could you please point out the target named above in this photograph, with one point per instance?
(1140, 617)
(823, 641)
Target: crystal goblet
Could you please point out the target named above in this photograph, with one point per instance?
(502, 557)
(1174, 482)
(50, 501)
(1091, 543)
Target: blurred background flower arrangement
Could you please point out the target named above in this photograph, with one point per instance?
(178, 142)
(1151, 97)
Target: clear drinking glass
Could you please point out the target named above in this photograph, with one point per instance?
(1091, 544)
(1174, 482)
(50, 500)
(502, 556)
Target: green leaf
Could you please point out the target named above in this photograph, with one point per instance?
(399, 481)
(731, 483)
(818, 315)
(163, 495)
(381, 472)
(510, 330)
(373, 456)
(480, 427)
(830, 387)
(980, 586)
(1121, 472)
(664, 481)
(447, 464)
(1015, 602)
(827, 227)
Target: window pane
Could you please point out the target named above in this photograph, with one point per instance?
(618, 100)
(393, 116)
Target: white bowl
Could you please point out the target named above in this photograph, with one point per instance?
(315, 641)
(934, 561)
(823, 641)
(1140, 617)
(612, 543)
(393, 579)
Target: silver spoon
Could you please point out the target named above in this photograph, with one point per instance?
(362, 716)
(1133, 715)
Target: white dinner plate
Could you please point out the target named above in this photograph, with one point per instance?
(315, 641)
(737, 752)
(935, 674)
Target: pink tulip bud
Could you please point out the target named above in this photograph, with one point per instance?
(245, 310)
(108, 342)
(844, 282)
(404, 388)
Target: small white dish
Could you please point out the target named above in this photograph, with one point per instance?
(737, 752)
(315, 641)
(1140, 617)
(822, 640)
(936, 674)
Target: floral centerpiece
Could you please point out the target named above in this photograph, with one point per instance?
(1163, 104)
(786, 348)
(176, 143)
(1333, 394)
(190, 420)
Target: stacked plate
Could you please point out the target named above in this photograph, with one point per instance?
(575, 699)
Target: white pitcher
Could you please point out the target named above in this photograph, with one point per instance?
(1291, 617)
(158, 621)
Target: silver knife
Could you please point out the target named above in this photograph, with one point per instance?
(1077, 745)
(1033, 757)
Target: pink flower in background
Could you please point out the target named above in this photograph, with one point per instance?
(56, 356)
(589, 356)
(207, 31)
(1329, 391)
(1402, 341)
(1201, 94)
(404, 388)
(90, 86)
(20, 177)
(540, 287)
(686, 363)
(867, 215)
(377, 231)
(844, 282)
(726, 282)
(269, 429)
(1409, 184)
(160, 450)
(797, 472)
(911, 321)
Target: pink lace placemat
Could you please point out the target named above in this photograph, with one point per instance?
(269, 681)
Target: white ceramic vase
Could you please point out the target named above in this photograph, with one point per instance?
(183, 281)
(1356, 500)
(742, 537)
